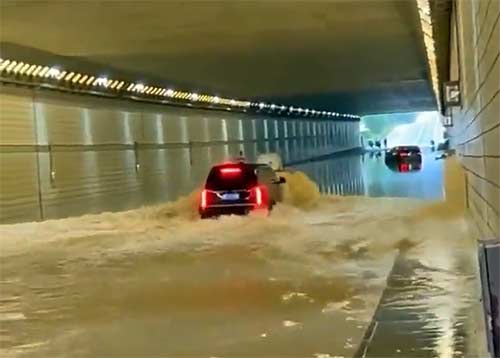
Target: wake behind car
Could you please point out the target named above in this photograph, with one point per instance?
(238, 188)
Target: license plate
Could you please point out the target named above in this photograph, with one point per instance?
(230, 196)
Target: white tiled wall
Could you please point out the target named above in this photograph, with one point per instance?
(475, 52)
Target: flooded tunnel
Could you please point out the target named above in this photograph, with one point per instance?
(384, 117)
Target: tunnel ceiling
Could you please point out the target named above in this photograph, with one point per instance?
(352, 56)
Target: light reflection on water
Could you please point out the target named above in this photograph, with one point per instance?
(367, 174)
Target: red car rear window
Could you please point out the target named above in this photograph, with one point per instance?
(238, 177)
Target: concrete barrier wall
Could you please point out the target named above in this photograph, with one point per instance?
(64, 155)
(475, 62)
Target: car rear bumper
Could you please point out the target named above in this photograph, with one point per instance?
(218, 210)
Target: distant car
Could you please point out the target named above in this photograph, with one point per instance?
(238, 188)
(409, 152)
(404, 158)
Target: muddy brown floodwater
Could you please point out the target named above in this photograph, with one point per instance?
(303, 282)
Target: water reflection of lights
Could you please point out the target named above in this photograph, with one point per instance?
(451, 272)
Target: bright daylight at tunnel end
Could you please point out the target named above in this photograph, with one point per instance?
(250, 178)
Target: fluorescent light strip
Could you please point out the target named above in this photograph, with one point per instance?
(424, 11)
(25, 69)
(83, 79)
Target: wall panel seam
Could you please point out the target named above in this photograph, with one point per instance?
(478, 90)
(477, 175)
(485, 200)
(37, 156)
(481, 156)
(471, 122)
(482, 21)
(481, 134)
(490, 36)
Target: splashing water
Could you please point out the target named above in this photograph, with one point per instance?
(158, 280)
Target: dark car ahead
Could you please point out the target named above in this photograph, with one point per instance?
(408, 152)
(404, 158)
(238, 188)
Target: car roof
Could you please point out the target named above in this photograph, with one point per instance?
(245, 164)
(407, 147)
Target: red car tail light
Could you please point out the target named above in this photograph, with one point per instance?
(258, 196)
(404, 167)
(204, 196)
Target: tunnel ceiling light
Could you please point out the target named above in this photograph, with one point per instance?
(11, 66)
(53, 72)
(61, 75)
(4, 65)
(90, 81)
(18, 67)
(24, 68)
(139, 87)
(76, 78)
(30, 70)
(424, 11)
(101, 81)
(83, 79)
(39, 72)
(43, 71)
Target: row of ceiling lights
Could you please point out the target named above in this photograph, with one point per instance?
(424, 11)
(70, 78)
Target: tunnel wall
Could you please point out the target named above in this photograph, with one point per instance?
(65, 155)
(475, 49)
